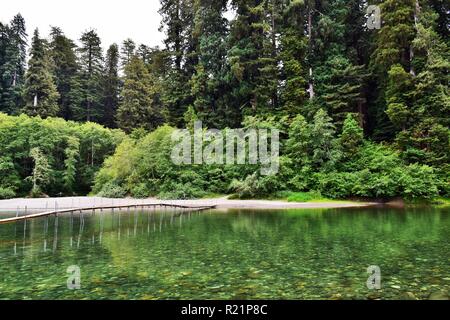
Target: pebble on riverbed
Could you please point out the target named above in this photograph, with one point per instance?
(439, 295)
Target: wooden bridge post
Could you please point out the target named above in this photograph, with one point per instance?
(45, 233)
(55, 234)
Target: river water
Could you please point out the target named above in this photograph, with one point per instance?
(234, 254)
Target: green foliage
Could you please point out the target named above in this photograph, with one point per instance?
(41, 96)
(41, 172)
(7, 193)
(181, 191)
(64, 69)
(313, 144)
(305, 196)
(352, 136)
(398, 96)
(111, 86)
(293, 49)
(137, 108)
(74, 152)
(88, 91)
(396, 35)
(254, 186)
(13, 54)
(376, 123)
(140, 191)
(377, 172)
(111, 190)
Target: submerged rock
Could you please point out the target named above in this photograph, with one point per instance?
(409, 296)
(439, 295)
(374, 296)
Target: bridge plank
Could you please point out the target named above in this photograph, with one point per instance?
(55, 212)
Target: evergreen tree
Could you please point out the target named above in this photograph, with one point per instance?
(144, 52)
(137, 108)
(393, 42)
(292, 53)
(338, 80)
(208, 83)
(41, 95)
(352, 136)
(172, 25)
(253, 74)
(393, 45)
(424, 135)
(111, 86)
(127, 51)
(65, 69)
(342, 88)
(399, 96)
(13, 42)
(177, 21)
(90, 93)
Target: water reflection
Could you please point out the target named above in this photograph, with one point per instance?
(73, 227)
(239, 254)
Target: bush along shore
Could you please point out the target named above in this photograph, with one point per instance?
(317, 163)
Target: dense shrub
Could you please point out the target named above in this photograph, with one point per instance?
(112, 190)
(7, 193)
(74, 153)
(379, 173)
(314, 157)
(143, 168)
(140, 191)
(304, 196)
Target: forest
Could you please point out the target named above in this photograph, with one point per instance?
(363, 112)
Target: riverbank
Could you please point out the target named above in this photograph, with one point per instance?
(40, 204)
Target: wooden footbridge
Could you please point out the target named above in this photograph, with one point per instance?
(93, 209)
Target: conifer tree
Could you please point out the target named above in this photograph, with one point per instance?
(393, 45)
(177, 21)
(127, 51)
(338, 80)
(137, 108)
(41, 96)
(13, 43)
(252, 66)
(89, 106)
(208, 83)
(424, 135)
(292, 52)
(394, 39)
(65, 68)
(144, 52)
(111, 86)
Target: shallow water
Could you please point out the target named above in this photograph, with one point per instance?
(251, 254)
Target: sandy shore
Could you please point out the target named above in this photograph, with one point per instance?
(42, 204)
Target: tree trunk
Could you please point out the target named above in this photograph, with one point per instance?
(311, 83)
(417, 10)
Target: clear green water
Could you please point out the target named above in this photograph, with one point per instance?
(294, 254)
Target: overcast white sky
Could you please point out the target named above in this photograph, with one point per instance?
(114, 20)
